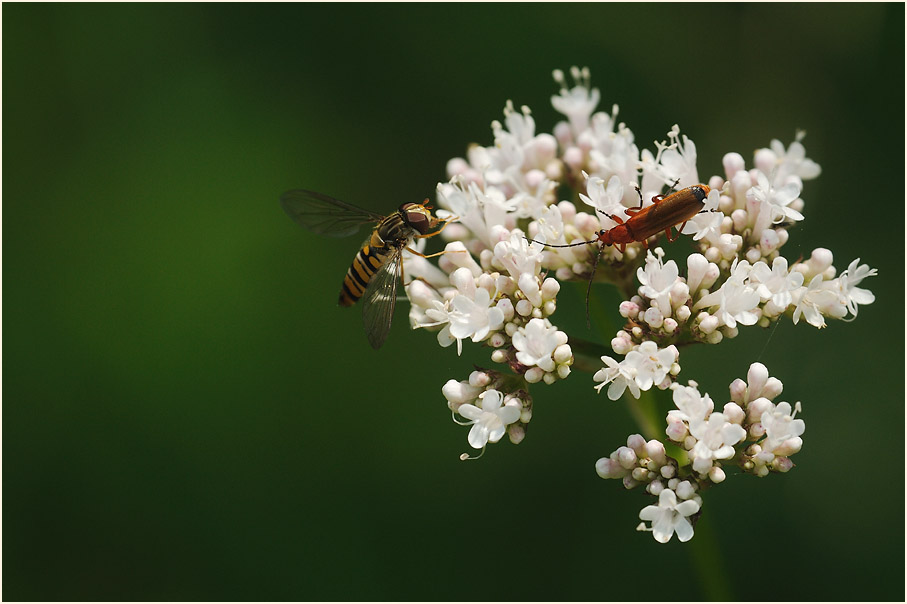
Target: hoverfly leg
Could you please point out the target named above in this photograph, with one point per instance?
(421, 255)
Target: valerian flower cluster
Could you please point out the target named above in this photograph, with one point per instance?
(498, 286)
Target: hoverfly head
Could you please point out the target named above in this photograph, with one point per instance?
(418, 217)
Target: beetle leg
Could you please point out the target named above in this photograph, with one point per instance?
(639, 192)
(668, 233)
(613, 217)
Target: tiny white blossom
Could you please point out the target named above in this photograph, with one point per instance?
(657, 279)
(849, 279)
(818, 300)
(473, 313)
(579, 102)
(490, 421)
(535, 344)
(606, 201)
(651, 363)
(620, 375)
(781, 427)
(735, 301)
(715, 439)
(776, 200)
(669, 517)
(776, 283)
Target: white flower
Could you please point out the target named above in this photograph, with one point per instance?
(782, 429)
(490, 422)
(485, 213)
(707, 223)
(817, 299)
(606, 201)
(678, 161)
(794, 160)
(579, 102)
(620, 375)
(776, 283)
(848, 281)
(716, 438)
(735, 301)
(473, 314)
(775, 200)
(669, 517)
(518, 255)
(657, 279)
(535, 344)
(651, 364)
(692, 406)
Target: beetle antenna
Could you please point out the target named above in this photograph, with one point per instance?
(551, 245)
(589, 287)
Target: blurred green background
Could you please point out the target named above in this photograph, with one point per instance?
(188, 415)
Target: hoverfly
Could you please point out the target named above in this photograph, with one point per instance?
(377, 268)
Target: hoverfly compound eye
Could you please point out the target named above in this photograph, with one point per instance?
(418, 218)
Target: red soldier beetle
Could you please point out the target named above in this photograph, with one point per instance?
(666, 212)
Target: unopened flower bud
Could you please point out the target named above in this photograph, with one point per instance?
(716, 474)
(627, 457)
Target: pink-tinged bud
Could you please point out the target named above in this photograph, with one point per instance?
(668, 471)
(789, 447)
(739, 217)
(716, 474)
(738, 391)
(629, 483)
(516, 432)
(628, 310)
(627, 457)
(685, 490)
(734, 413)
(756, 431)
(479, 379)
(782, 464)
(654, 317)
(765, 160)
(756, 378)
(638, 444)
(550, 288)
(733, 163)
(640, 474)
(459, 392)
(655, 450)
(534, 375)
(655, 487)
(683, 314)
(676, 430)
(773, 388)
(573, 157)
(709, 324)
(456, 166)
(608, 468)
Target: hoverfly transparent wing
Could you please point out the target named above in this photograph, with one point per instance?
(379, 299)
(325, 215)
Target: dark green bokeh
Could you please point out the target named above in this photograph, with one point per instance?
(188, 415)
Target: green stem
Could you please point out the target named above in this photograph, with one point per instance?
(709, 564)
(645, 412)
